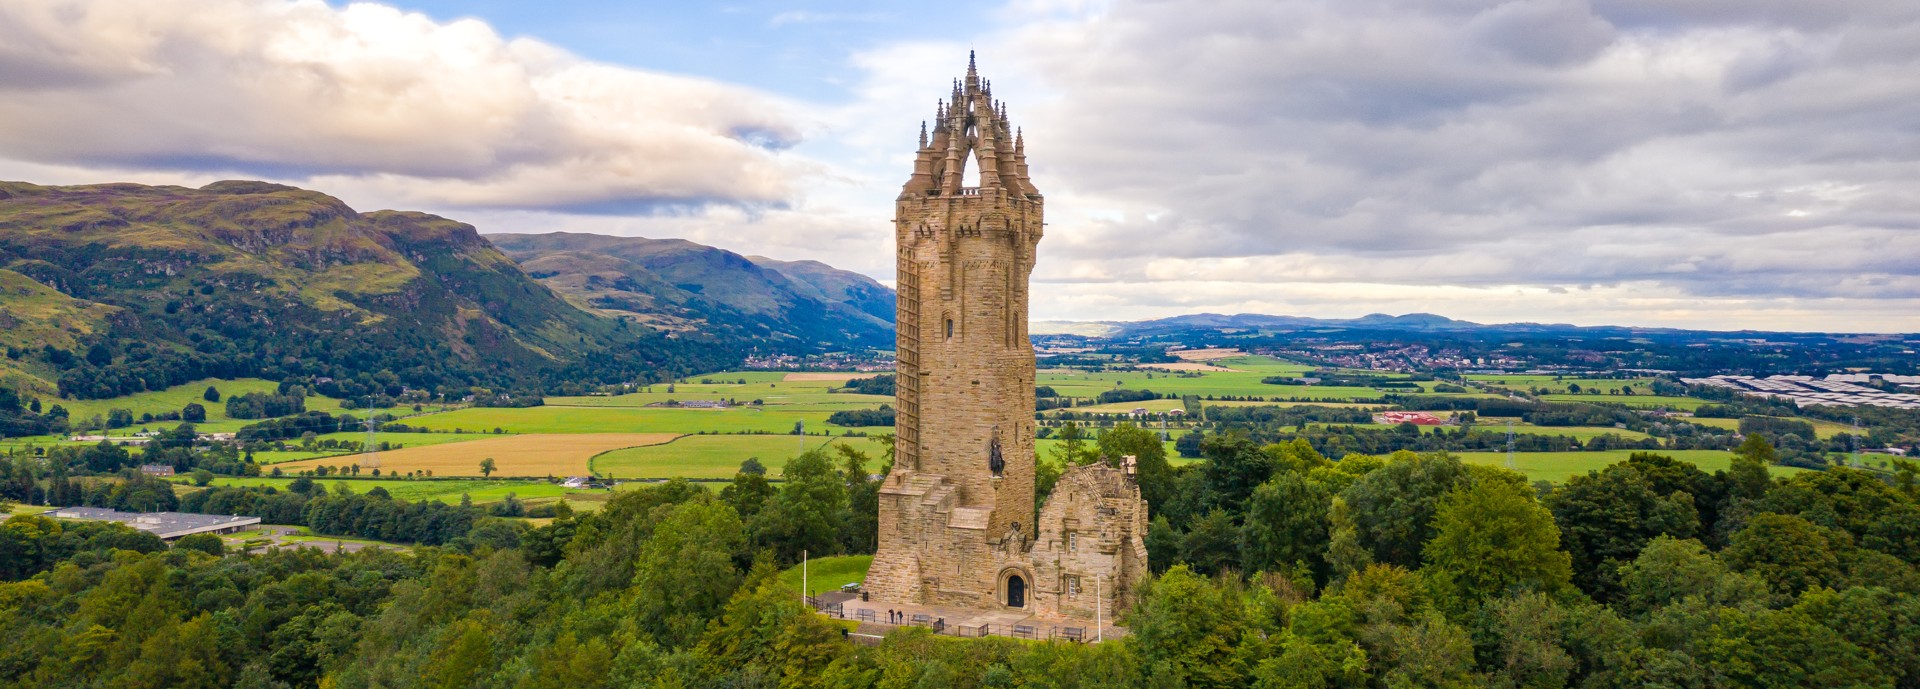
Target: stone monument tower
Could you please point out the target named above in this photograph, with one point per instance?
(957, 514)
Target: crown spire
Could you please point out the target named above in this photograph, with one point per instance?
(923, 133)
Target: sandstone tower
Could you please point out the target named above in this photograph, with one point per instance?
(957, 513)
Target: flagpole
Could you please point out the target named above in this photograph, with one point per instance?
(803, 577)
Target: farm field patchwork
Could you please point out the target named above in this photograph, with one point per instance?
(531, 455)
(620, 420)
(719, 456)
(481, 491)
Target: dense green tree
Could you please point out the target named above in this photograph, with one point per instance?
(1769, 649)
(1287, 525)
(1392, 508)
(202, 542)
(1671, 570)
(747, 493)
(766, 631)
(1152, 471)
(1192, 627)
(1211, 545)
(1234, 467)
(1789, 553)
(1493, 537)
(808, 513)
(1606, 517)
(686, 570)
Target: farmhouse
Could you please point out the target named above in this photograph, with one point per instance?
(1395, 418)
(157, 469)
(166, 525)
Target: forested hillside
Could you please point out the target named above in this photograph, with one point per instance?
(1275, 567)
(112, 289)
(682, 286)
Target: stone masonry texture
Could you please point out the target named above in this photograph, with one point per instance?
(953, 530)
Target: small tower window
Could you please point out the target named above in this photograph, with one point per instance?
(949, 328)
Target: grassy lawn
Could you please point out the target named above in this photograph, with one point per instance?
(1560, 466)
(719, 456)
(828, 573)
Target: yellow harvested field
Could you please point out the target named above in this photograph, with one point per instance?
(535, 454)
(834, 377)
(1188, 366)
(1208, 354)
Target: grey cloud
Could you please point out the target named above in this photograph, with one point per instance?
(1741, 145)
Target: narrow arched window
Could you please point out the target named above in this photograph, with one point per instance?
(949, 328)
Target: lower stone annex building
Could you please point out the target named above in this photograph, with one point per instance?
(957, 520)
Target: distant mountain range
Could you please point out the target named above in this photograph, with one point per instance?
(1410, 323)
(110, 289)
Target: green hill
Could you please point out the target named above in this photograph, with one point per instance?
(679, 285)
(113, 289)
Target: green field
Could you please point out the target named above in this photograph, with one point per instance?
(173, 398)
(1526, 383)
(828, 573)
(1637, 401)
(1045, 447)
(1243, 381)
(396, 440)
(785, 394)
(719, 456)
(1559, 466)
(447, 491)
(622, 420)
(1821, 427)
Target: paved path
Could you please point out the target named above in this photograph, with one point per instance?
(965, 621)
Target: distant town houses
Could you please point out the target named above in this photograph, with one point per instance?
(1403, 359)
(157, 469)
(1836, 390)
(860, 362)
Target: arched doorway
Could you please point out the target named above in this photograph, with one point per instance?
(1016, 591)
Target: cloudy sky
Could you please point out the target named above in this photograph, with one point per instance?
(1697, 163)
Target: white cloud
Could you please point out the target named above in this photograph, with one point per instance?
(1658, 162)
(445, 114)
